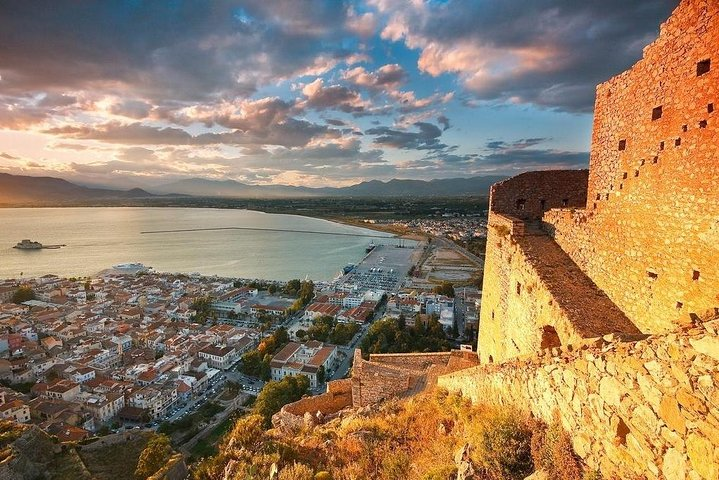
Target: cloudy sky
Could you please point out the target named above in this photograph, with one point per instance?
(304, 92)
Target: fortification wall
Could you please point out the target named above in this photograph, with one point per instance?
(337, 397)
(411, 361)
(648, 408)
(528, 195)
(536, 297)
(649, 236)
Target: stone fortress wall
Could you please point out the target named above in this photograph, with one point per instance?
(638, 240)
(382, 377)
(602, 311)
(634, 409)
(649, 235)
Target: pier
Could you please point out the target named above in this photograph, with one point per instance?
(278, 230)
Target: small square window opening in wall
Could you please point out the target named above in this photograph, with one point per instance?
(679, 305)
(661, 145)
(704, 67)
(710, 108)
(695, 275)
(656, 113)
(652, 275)
(565, 202)
(622, 145)
(703, 124)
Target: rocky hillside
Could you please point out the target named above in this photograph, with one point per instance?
(432, 436)
(28, 453)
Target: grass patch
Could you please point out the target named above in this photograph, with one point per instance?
(416, 439)
(117, 461)
(207, 446)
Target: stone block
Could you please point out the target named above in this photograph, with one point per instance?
(671, 415)
(701, 456)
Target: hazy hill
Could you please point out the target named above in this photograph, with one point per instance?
(24, 190)
(16, 189)
(374, 188)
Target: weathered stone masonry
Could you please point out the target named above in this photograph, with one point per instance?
(643, 229)
(649, 234)
(635, 251)
(648, 408)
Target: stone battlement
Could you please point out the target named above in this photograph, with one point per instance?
(632, 244)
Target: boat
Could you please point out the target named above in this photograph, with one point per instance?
(28, 245)
(348, 268)
(370, 247)
(131, 267)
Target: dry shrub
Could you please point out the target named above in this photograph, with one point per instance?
(296, 471)
(552, 452)
(502, 444)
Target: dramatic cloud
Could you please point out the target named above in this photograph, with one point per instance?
(312, 91)
(387, 77)
(548, 52)
(342, 98)
(427, 138)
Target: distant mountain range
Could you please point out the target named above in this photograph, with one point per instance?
(374, 188)
(16, 189)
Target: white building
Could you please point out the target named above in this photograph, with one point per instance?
(219, 357)
(303, 359)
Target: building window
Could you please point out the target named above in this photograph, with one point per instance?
(652, 275)
(656, 113)
(703, 67)
(685, 128)
(565, 202)
(622, 145)
(710, 108)
(703, 124)
(695, 275)
(656, 160)
(550, 338)
(679, 305)
(519, 288)
(520, 204)
(661, 145)
(677, 142)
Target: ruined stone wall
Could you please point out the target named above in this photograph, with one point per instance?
(648, 408)
(649, 236)
(536, 297)
(411, 361)
(394, 375)
(337, 397)
(529, 195)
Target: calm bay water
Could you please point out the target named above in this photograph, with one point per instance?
(98, 238)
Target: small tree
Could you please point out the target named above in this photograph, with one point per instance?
(23, 294)
(275, 395)
(153, 457)
(321, 374)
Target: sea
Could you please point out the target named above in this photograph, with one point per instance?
(96, 238)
